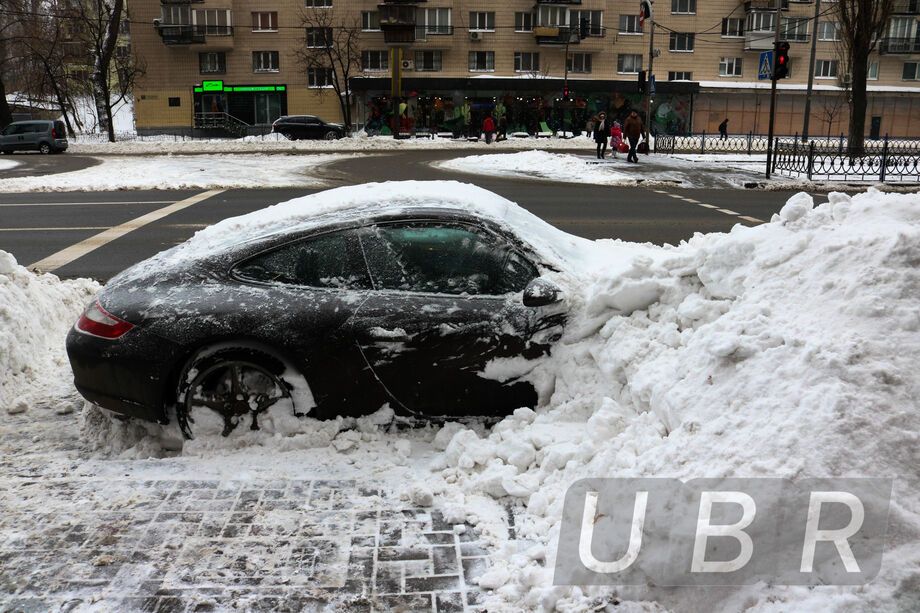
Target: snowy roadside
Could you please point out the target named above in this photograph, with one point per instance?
(226, 171)
(783, 350)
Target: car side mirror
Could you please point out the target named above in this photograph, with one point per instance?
(541, 292)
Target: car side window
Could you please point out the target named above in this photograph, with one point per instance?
(312, 121)
(444, 258)
(331, 261)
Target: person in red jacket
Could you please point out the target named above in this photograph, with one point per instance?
(488, 126)
(616, 138)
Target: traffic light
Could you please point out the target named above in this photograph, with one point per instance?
(781, 63)
(642, 84)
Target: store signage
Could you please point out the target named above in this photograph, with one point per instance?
(212, 86)
(218, 86)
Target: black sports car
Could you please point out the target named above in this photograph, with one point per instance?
(423, 295)
(299, 127)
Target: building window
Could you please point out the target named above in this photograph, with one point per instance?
(795, 29)
(482, 61)
(682, 41)
(629, 63)
(523, 22)
(911, 71)
(525, 61)
(428, 61)
(172, 16)
(730, 67)
(580, 63)
(828, 31)
(216, 22)
(629, 24)
(265, 61)
(482, 21)
(680, 75)
(319, 77)
(376, 61)
(760, 22)
(826, 69)
(594, 19)
(318, 38)
(435, 21)
(265, 21)
(212, 62)
(175, 102)
(901, 27)
(683, 7)
(318, 4)
(732, 27)
(370, 21)
(873, 71)
(552, 16)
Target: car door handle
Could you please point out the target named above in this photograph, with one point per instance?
(378, 334)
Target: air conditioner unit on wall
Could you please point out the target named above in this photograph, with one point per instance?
(846, 80)
(475, 35)
(407, 65)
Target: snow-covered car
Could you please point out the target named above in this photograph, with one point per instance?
(427, 296)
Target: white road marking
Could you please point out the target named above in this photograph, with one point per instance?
(2, 204)
(753, 219)
(728, 212)
(708, 206)
(54, 229)
(691, 201)
(65, 256)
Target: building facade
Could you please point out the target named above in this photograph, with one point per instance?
(549, 63)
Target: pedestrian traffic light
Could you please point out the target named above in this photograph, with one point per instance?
(781, 64)
(642, 83)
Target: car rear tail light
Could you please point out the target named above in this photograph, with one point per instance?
(53, 133)
(96, 321)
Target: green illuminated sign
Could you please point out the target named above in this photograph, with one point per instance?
(212, 86)
(218, 86)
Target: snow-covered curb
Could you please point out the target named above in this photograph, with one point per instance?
(224, 171)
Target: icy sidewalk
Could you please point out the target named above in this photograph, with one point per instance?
(128, 535)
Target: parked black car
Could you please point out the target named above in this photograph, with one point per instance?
(356, 309)
(300, 127)
(45, 136)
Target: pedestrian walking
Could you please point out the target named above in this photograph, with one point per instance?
(488, 126)
(723, 130)
(601, 133)
(633, 129)
(616, 138)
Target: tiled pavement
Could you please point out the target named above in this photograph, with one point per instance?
(174, 545)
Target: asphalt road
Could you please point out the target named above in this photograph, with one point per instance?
(38, 225)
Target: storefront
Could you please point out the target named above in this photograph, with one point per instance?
(251, 104)
(458, 106)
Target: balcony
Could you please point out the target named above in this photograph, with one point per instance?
(753, 6)
(217, 37)
(398, 21)
(906, 7)
(556, 35)
(900, 46)
(422, 33)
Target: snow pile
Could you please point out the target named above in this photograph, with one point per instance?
(8, 164)
(36, 312)
(182, 172)
(785, 350)
(652, 171)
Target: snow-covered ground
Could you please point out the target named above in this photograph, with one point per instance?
(783, 350)
(182, 172)
(8, 164)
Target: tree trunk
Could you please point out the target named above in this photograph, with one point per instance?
(101, 69)
(6, 115)
(858, 101)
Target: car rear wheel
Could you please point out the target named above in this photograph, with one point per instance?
(44, 148)
(331, 135)
(231, 391)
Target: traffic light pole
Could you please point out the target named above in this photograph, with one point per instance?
(777, 26)
(811, 71)
(648, 81)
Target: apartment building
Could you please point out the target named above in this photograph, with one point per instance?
(555, 61)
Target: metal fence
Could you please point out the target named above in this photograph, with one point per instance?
(885, 160)
(750, 144)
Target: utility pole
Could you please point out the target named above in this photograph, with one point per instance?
(779, 8)
(649, 78)
(811, 71)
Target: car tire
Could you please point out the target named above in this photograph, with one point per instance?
(288, 135)
(230, 388)
(44, 148)
(331, 135)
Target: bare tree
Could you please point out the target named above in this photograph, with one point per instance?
(11, 15)
(862, 24)
(832, 106)
(331, 54)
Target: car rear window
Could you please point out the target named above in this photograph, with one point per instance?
(60, 129)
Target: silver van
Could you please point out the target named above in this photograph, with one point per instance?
(45, 136)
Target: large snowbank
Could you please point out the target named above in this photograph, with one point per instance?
(182, 172)
(783, 350)
(36, 312)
